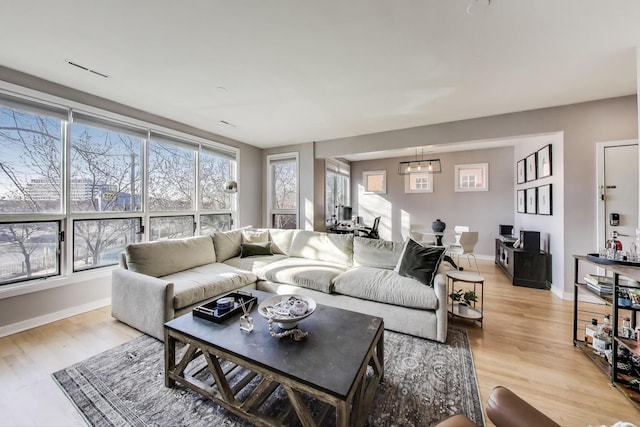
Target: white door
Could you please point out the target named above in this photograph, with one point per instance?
(619, 193)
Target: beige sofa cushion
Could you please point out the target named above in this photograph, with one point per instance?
(281, 240)
(254, 263)
(255, 236)
(227, 243)
(386, 286)
(310, 274)
(376, 253)
(319, 246)
(207, 281)
(169, 256)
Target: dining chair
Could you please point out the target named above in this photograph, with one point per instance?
(421, 237)
(465, 246)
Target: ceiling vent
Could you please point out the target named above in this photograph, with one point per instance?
(82, 67)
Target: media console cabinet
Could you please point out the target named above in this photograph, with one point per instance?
(531, 269)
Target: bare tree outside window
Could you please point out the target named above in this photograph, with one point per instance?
(284, 193)
(214, 171)
(30, 166)
(105, 170)
(171, 177)
(28, 249)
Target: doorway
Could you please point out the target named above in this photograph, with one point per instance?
(617, 191)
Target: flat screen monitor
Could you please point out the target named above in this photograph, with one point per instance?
(346, 213)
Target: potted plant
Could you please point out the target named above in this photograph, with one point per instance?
(464, 298)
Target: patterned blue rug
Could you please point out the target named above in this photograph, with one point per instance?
(424, 382)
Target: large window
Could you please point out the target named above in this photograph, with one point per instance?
(76, 188)
(105, 170)
(171, 177)
(97, 242)
(337, 185)
(31, 162)
(283, 190)
(28, 250)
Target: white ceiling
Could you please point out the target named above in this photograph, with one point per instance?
(291, 71)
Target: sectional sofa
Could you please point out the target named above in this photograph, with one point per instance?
(157, 281)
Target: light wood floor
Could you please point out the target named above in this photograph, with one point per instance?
(525, 345)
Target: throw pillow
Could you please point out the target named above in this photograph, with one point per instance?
(420, 262)
(255, 236)
(255, 249)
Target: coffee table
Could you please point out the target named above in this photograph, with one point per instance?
(243, 370)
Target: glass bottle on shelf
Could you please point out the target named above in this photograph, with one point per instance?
(627, 331)
(613, 245)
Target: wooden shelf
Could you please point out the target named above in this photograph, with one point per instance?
(472, 313)
(627, 385)
(631, 345)
(599, 361)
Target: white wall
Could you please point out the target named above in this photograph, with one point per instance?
(551, 228)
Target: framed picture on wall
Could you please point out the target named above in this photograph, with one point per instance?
(375, 182)
(531, 168)
(522, 201)
(521, 172)
(545, 200)
(532, 201)
(544, 162)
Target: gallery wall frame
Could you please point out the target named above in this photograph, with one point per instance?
(532, 200)
(375, 182)
(471, 177)
(418, 182)
(521, 201)
(532, 168)
(545, 199)
(521, 169)
(544, 162)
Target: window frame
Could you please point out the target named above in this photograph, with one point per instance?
(340, 169)
(365, 181)
(67, 111)
(407, 182)
(272, 160)
(459, 171)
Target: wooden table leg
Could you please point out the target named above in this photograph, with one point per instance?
(169, 358)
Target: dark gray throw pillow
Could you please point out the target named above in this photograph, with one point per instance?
(254, 249)
(420, 262)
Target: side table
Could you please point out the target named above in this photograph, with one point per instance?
(472, 313)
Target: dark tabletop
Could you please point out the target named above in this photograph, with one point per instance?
(328, 359)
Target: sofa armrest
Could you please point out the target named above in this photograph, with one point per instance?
(505, 408)
(440, 288)
(141, 301)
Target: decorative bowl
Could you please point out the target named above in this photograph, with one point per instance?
(281, 309)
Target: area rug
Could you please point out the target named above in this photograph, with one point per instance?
(424, 382)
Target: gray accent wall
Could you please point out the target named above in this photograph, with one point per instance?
(482, 211)
(581, 124)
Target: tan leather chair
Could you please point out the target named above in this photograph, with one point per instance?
(505, 409)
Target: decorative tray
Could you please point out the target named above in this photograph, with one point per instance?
(600, 260)
(209, 311)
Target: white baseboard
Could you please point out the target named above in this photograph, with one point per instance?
(24, 325)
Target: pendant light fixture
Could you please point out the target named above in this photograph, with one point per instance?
(420, 165)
